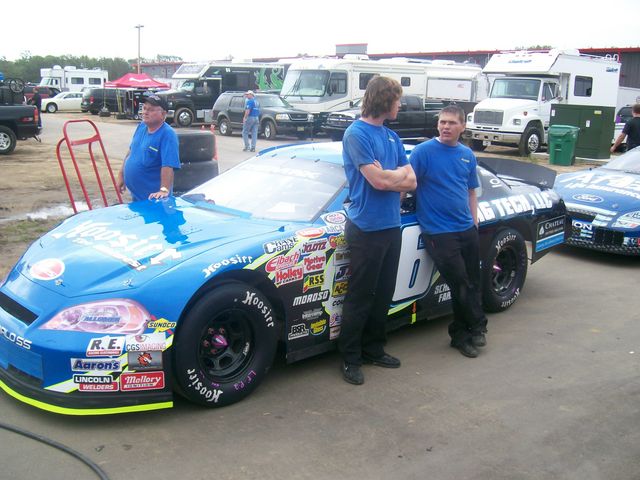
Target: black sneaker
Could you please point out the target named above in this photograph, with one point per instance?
(466, 349)
(479, 340)
(252, 150)
(385, 360)
(352, 373)
(245, 149)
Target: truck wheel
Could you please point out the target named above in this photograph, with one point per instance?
(224, 127)
(183, 117)
(225, 345)
(504, 270)
(7, 140)
(269, 130)
(52, 108)
(530, 141)
(477, 145)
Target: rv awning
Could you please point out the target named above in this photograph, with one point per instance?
(136, 80)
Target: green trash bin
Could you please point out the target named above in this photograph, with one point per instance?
(562, 144)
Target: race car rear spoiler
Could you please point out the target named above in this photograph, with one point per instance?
(530, 173)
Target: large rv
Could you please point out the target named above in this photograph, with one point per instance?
(526, 85)
(324, 85)
(72, 79)
(202, 83)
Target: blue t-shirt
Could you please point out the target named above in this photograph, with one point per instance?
(149, 153)
(371, 209)
(445, 174)
(253, 106)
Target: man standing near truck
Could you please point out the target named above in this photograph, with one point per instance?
(250, 121)
(447, 208)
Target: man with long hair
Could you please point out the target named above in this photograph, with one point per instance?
(377, 169)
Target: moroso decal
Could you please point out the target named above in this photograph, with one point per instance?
(311, 297)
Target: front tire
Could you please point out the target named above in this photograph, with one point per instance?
(269, 130)
(183, 117)
(530, 141)
(8, 140)
(225, 345)
(478, 145)
(52, 108)
(504, 270)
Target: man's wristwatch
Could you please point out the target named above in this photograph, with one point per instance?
(164, 189)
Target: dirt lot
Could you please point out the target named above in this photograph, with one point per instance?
(31, 183)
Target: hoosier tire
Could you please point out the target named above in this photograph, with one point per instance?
(504, 270)
(225, 345)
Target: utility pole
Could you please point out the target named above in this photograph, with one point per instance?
(139, 27)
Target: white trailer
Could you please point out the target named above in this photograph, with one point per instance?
(324, 85)
(73, 79)
(524, 87)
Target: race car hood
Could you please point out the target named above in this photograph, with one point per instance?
(610, 193)
(128, 245)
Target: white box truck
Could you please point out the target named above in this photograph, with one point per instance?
(524, 86)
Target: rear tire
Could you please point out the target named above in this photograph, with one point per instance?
(225, 345)
(504, 270)
(224, 127)
(8, 140)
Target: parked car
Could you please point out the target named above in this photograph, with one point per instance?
(96, 99)
(65, 101)
(416, 119)
(117, 308)
(603, 204)
(277, 116)
(43, 90)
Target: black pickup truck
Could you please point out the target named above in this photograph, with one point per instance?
(416, 119)
(17, 121)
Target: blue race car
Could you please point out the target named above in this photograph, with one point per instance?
(118, 308)
(604, 205)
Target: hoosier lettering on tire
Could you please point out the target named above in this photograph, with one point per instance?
(504, 270)
(225, 346)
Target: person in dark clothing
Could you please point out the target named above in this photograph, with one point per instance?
(447, 213)
(36, 100)
(631, 130)
(377, 170)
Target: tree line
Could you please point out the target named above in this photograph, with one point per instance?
(28, 66)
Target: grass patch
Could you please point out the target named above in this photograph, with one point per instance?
(25, 231)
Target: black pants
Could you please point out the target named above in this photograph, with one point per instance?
(457, 256)
(374, 265)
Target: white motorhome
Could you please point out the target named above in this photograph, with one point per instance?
(72, 79)
(324, 85)
(524, 87)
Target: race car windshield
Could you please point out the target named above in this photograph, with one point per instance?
(629, 162)
(274, 187)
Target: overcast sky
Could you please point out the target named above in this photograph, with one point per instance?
(207, 30)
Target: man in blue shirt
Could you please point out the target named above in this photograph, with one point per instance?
(377, 169)
(153, 154)
(250, 121)
(447, 208)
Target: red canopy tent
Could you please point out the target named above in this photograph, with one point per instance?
(136, 80)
